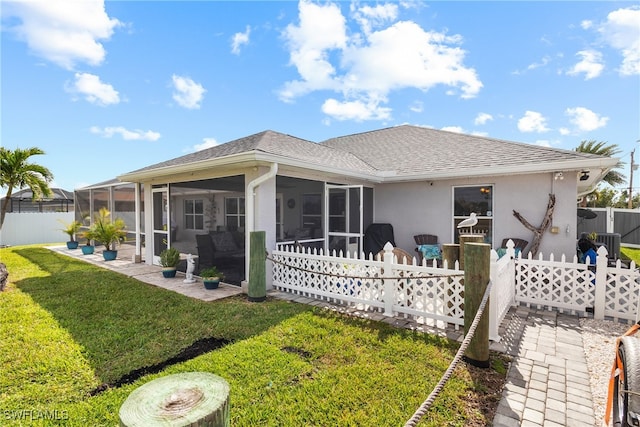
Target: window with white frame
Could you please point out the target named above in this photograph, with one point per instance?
(234, 213)
(476, 199)
(194, 214)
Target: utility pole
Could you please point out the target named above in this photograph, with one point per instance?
(630, 202)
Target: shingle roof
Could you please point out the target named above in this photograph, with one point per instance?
(56, 194)
(274, 143)
(410, 150)
(403, 151)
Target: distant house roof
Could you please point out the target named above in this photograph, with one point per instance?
(56, 194)
(400, 153)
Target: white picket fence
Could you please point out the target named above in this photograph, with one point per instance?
(572, 287)
(435, 296)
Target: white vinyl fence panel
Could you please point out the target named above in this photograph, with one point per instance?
(27, 228)
(435, 296)
(428, 294)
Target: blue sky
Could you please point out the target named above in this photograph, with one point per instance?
(109, 87)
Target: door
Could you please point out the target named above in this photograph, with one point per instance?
(161, 221)
(343, 228)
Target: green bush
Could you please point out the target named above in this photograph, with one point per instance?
(170, 257)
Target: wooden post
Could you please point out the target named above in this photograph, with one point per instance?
(450, 254)
(476, 279)
(257, 289)
(188, 399)
(465, 238)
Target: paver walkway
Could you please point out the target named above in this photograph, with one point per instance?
(547, 382)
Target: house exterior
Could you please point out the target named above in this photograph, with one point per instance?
(417, 179)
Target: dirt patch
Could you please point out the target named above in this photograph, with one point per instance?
(199, 347)
(482, 402)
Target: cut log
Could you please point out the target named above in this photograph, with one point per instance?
(4, 276)
(187, 400)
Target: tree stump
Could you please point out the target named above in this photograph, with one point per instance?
(182, 400)
(4, 275)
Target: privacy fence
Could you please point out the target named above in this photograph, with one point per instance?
(435, 296)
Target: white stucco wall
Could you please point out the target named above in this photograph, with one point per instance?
(427, 207)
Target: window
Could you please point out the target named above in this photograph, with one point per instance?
(234, 213)
(477, 199)
(194, 214)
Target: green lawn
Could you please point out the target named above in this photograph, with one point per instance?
(68, 327)
(632, 254)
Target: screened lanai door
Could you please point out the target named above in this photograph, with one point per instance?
(348, 211)
(161, 216)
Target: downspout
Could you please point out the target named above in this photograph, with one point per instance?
(250, 203)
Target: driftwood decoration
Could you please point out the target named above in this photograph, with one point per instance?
(538, 232)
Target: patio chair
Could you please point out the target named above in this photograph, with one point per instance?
(427, 247)
(402, 256)
(518, 246)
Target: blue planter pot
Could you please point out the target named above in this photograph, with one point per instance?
(87, 249)
(72, 245)
(211, 284)
(109, 255)
(169, 273)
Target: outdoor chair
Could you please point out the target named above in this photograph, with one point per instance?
(427, 247)
(518, 246)
(402, 256)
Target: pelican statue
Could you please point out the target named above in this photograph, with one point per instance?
(469, 222)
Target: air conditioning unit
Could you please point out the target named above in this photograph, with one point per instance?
(612, 242)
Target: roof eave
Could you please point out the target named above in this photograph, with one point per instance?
(604, 164)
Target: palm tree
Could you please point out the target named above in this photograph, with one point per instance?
(16, 173)
(601, 148)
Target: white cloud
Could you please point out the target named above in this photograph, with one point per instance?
(585, 120)
(94, 90)
(366, 66)
(355, 110)
(591, 64)
(61, 31)
(187, 93)
(417, 107)
(240, 39)
(127, 135)
(206, 143)
(532, 121)
(586, 24)
(544, 61)
(369, 17)
(482, 118)
(543, 143)
(456, 129)
(564, 131)
(622, 32)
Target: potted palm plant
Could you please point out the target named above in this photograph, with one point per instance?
(109, 232)
(211, 277)
(169, 259)
(71, 229)
(88, 247)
